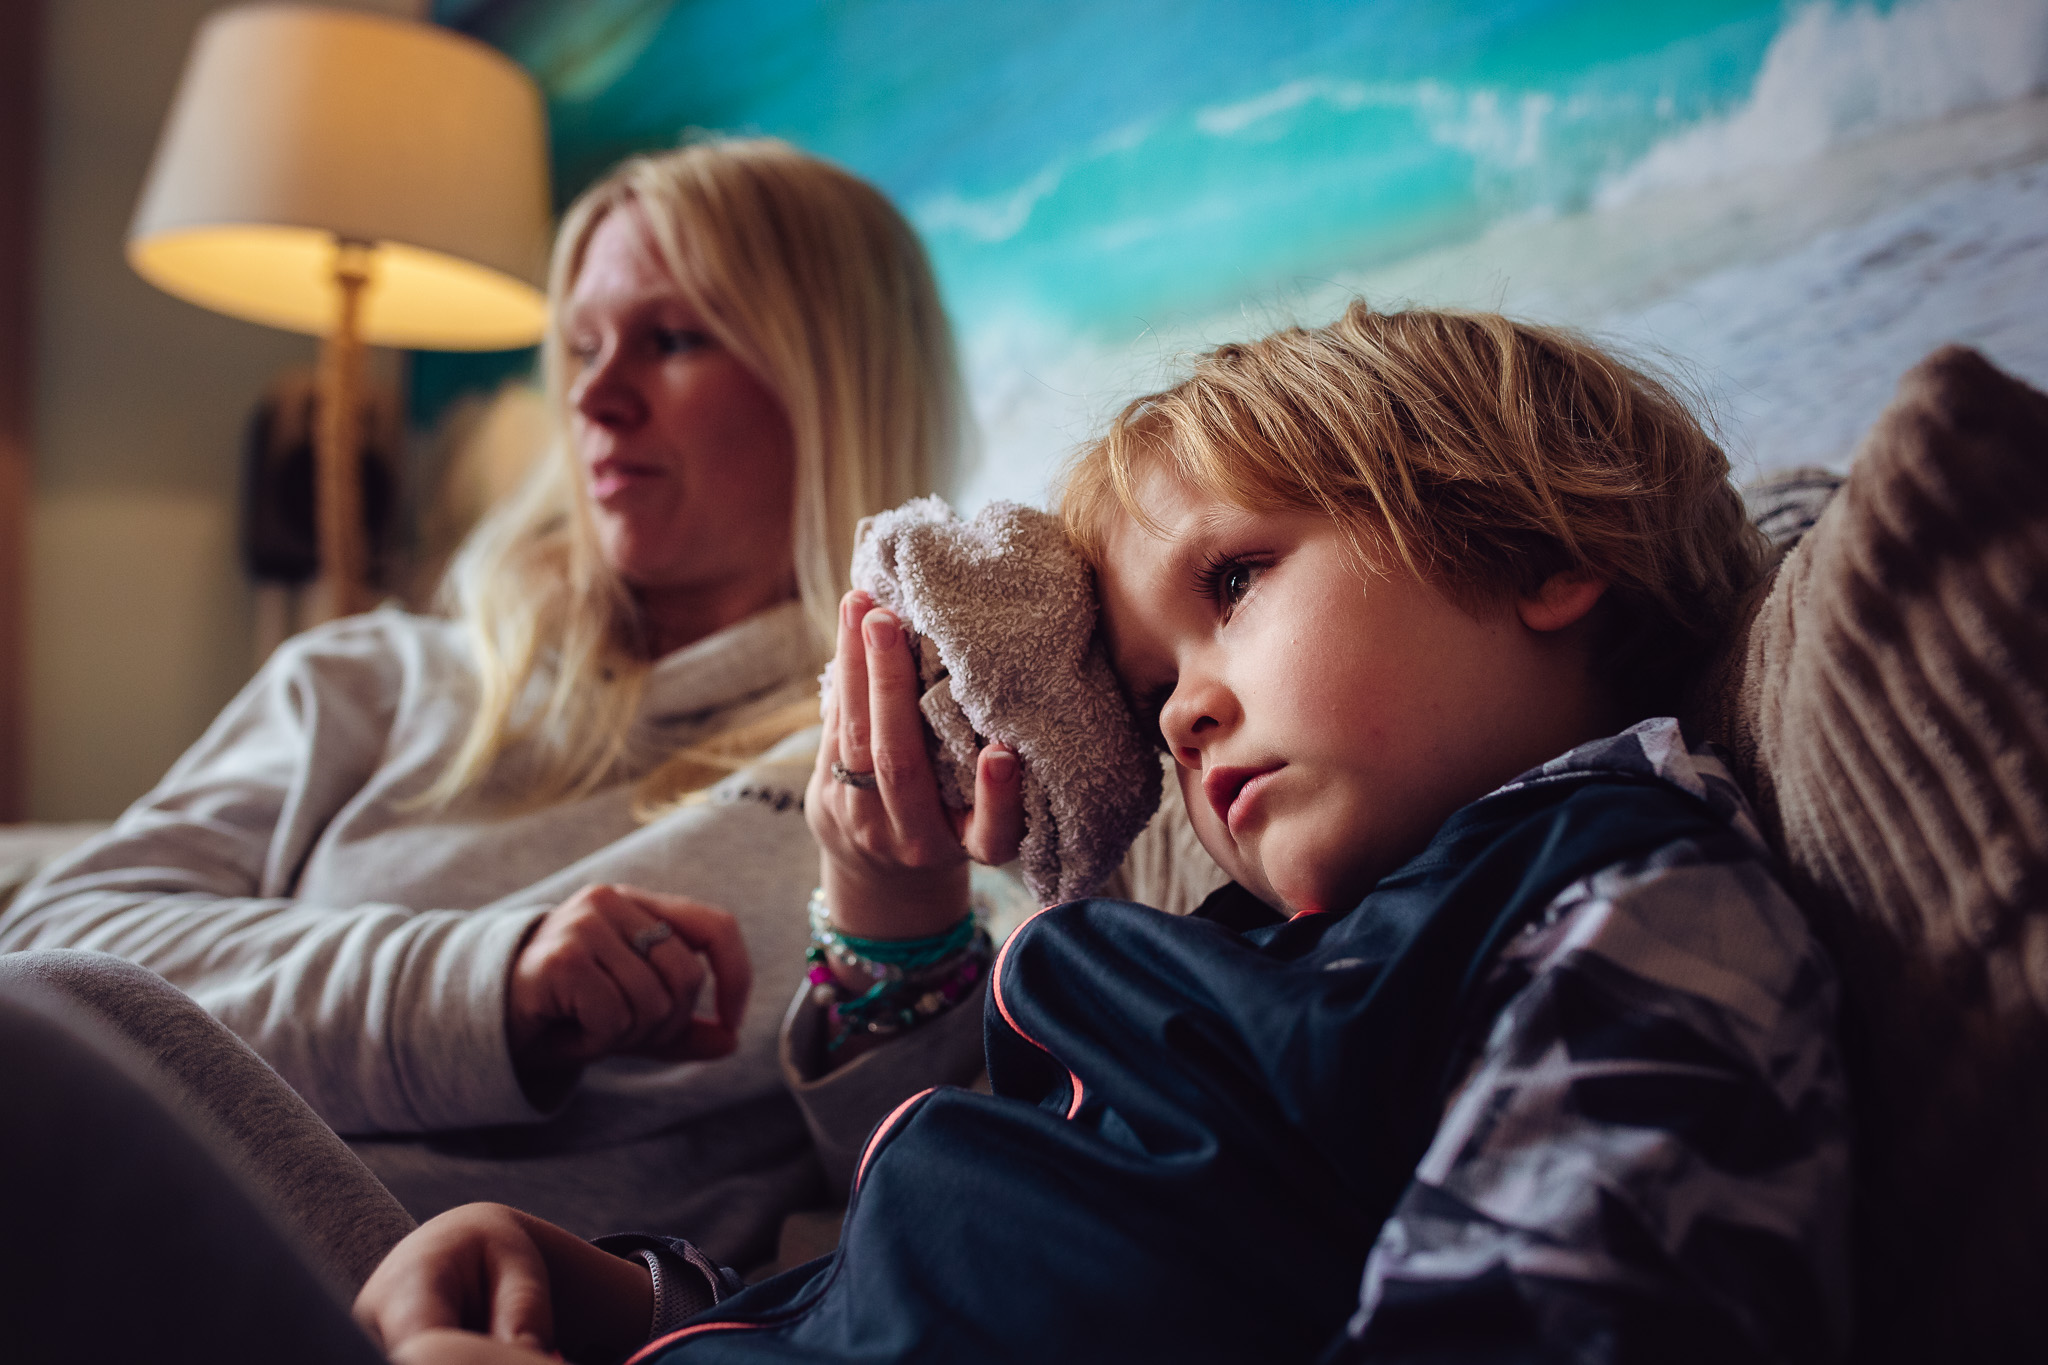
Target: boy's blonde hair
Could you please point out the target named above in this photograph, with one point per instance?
(814, 281)
(1484, 454)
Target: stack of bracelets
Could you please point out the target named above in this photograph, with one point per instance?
(914, 978)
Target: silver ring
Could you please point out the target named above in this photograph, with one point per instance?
(661, 931)
(848, 777)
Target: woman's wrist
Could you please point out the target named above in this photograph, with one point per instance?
(874, 989)
(907, 904)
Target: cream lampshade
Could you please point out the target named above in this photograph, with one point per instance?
(361, 179)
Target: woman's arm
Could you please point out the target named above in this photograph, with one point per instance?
(894, 864)
(385, 1018)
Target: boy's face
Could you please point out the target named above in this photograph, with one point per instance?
(1325, 722)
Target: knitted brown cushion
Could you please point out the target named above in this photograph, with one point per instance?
(1889, 711)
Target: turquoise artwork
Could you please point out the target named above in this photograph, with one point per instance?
(1785, 204)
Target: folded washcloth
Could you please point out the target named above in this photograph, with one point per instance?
(1002, 615)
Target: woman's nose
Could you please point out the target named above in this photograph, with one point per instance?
(604, 394)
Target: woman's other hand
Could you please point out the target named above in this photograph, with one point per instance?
(894, 859)
(614, 970)
(517, 1280)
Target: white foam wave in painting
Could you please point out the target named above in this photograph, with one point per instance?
(1502, 128)
(1229, 120)
(1883, 190)
(994, 219)
(1797, 356)
(1833, 76)
(1795, 347)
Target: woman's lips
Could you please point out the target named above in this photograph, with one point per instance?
(610, 476)
(1233, 791)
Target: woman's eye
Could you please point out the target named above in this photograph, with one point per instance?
(1234, 582)
(677, 340)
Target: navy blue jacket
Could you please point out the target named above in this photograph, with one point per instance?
(1197, 1135)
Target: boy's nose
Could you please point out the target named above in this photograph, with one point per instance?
(1194, 717)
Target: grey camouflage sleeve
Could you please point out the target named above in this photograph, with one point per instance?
(1649, 1158)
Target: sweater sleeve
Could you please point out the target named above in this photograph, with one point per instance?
(386, 1018)
(1649, 1159)
(842, 1105)
(1166, 867)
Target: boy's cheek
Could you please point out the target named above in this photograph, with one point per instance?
(1315, 862)
(1210, 831)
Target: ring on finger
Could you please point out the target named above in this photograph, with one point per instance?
(846, 776)
(661, 931)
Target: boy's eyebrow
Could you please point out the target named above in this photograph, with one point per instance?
(1190, 542)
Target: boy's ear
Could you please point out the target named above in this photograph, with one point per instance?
(1563, 600)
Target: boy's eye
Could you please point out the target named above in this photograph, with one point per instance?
(1226, 581)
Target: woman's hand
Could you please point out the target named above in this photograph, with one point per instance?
(894, 860)
(447, 1346)
(493, 1270)
(614, 970)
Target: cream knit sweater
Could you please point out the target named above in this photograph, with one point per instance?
(282, 876)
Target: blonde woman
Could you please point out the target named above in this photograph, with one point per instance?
(487, 891)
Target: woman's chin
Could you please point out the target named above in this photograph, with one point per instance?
(643, 561)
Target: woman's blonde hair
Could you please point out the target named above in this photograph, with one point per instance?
(815, 283)
(1484, 454)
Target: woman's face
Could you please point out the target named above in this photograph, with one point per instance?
(687, 458)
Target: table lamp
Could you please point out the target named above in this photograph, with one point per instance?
(363, 179)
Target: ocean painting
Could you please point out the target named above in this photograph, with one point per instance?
(1784, 205)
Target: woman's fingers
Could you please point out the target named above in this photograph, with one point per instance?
(891, 863)
(850, 678)
(714, 934)
(903, 770)
(590, 1015)
(994, 830)
(682, 971)
(613, 942)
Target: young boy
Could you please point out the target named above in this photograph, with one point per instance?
(1504, 1044)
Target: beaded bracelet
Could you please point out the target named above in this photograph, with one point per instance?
(893, 1006)
(883, 959)
(913, 979)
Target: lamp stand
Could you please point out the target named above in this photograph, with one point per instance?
(338, 444)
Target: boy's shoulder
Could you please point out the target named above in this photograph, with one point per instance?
(1652, 1136)
(1657, 748)
(1698, 914)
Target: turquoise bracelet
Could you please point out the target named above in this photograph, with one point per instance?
(911, 979)
(884, 959)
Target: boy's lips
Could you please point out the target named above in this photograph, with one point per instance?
(1231, 790)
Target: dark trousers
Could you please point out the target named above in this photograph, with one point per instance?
(123, 1234)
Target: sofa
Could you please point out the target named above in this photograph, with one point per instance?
(1886, 705)
(1885, 702)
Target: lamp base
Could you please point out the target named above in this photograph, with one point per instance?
(342, 589)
